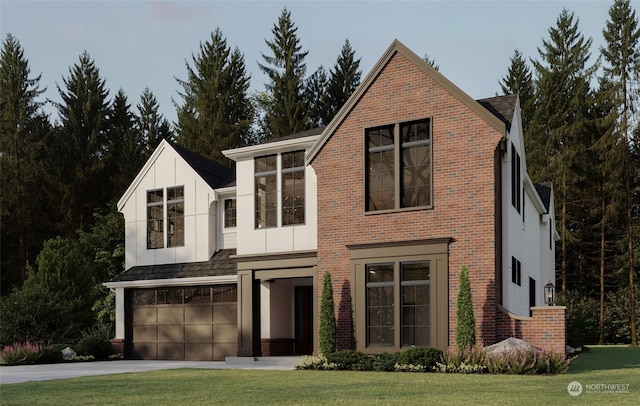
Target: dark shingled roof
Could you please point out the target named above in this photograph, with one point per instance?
(502, 107)
(308, 133)
(215, 174)
(220, 264)
(544, 191)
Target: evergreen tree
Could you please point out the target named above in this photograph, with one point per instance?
(22, 129)
(431, 61)
(344, 78)
(286, 109)
(217, 112)
(519, 81)
(465, 321)
(82, 145)
(327, 318)
(150, 124)
(127, 150)
(316, 92)
(622, 54)
(558, 138)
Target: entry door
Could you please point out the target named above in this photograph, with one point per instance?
(303, 320)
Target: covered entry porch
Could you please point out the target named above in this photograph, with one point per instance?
(277, 305)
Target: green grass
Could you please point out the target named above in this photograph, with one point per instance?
(204, 387)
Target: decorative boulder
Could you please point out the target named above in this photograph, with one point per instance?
(508, 345)
(68, 353)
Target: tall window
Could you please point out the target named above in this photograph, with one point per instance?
(230, 213)
(382, 282)
(175, 216)
(266, 204)
(415, 303)
(516, 271)
(398, 166)
(293, 188)
(516, 179)
(380, 305)
(155, 219)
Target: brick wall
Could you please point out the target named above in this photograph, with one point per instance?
(117, 346)
(272, 347)
(546, 328)
(464, 148)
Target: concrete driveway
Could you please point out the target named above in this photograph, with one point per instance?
(27, 373)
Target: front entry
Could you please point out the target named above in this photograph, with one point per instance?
(303, 343)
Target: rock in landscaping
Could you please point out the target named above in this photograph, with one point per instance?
(68, 353)
(510, 344)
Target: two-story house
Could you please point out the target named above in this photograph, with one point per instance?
(409, 182)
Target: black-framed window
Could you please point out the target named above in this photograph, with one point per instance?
(415, 285)
(175, 216)
(230, 213)
(516, 271)
(406, 283)
(516, 179)
(155, 219)
(266, 185)
(293, 193)
(398, 166)
(188, 295)
(380, 305)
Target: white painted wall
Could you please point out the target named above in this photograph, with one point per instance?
(166, 168)
(524, 237)
(281, 238)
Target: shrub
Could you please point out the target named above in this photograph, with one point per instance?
(52, 354)
(465, 322)
(351, 360)
(327, 318)
(527, 362)
(95, 342)
(424, 356)
(21, 353)
(582, 318)
(410, 368)
(315, 363)
(469, 360)
(385, 362)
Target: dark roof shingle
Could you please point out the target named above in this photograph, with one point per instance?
(544, 191)
(220, 264)
(502, 107)
(215, 174)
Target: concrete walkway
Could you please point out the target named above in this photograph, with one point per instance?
(27, 373)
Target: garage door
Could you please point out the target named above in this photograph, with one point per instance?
(198, 323)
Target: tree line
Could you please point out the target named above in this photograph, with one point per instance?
(61, 178)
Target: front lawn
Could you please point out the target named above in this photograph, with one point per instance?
(600, 365)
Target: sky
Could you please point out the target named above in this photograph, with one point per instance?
(140, 43)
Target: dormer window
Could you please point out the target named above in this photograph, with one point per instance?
(174, 217)
(230, 213)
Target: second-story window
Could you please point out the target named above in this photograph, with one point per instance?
(175, 216)
(155, 219)
(293, 188)
(516, 179)
(398, 167)
(230, 213)
(266, 194)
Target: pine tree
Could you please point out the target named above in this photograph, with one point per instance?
(622, 54)
(465, 321)
(22, 129)
(82, 145)
(286, 109)
(216, 111)
(431, 61)
(316, 92)
(519, 81)
(327, 318)
(344, 78)
(151, 125)
(558, 140)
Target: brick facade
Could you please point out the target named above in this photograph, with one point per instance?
(464, 192)
(117, 346)
(272, 347)
(546, 328)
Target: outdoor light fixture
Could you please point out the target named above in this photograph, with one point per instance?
(549, 293)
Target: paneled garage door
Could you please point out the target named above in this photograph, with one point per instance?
(198, 323)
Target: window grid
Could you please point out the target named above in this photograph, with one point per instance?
(266, 204)
(175, 216)
(380, 305)
(155, 219)
(230, 216)
(398, 168)
(293, 188)
(415, 304)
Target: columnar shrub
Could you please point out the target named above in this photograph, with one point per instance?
(465, 322)
(327, 318)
